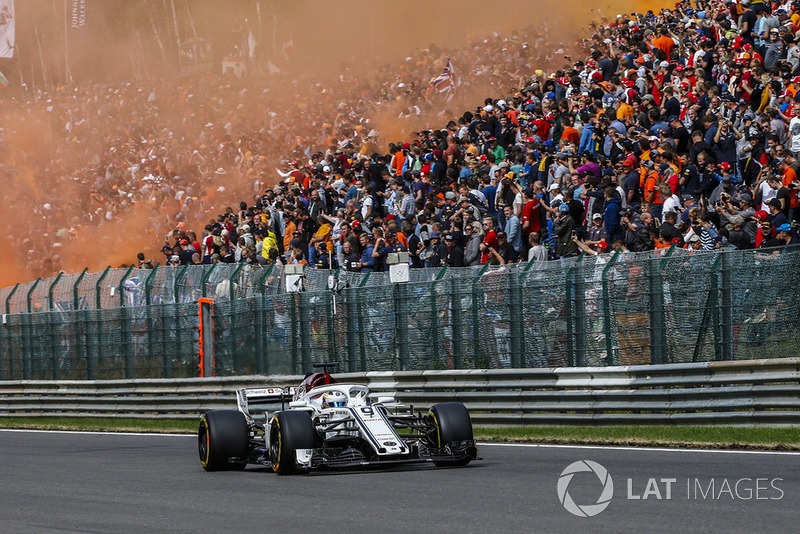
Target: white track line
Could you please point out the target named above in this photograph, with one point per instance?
(87, 432)
(646, 449)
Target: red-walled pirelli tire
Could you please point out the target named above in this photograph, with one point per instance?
(452, 427)
(289, 431)
(222, 440)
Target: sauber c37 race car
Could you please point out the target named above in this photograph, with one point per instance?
(327, 424)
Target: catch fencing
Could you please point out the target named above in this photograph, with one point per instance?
(622, 309)
(746, 392)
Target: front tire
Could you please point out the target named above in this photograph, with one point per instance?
(452, 429)
(289, 431)
(223, 440)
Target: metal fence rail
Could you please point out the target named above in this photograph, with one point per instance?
(592, 311)
(751, 392)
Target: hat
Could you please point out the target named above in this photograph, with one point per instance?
(448, 237)
(694, 239)
(245, 228)
(630, 161)
(785, 227)
(664, 64)
(220, 171)
(554, 186)
(673, 118)
(184, 241)
(602, 245)
(596, 216)
(726, 180)
(736, 220)
(762, 215)
(528, 192)
(563, 207)
(501, 234)
(725, 166)
(450, 195)
(435, 235)
(503, 165)
(688, 198)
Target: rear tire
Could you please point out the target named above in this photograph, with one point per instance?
(452, 428)
(223, 440)
(289, 431)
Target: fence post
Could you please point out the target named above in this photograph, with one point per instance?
(607, 327)
(458, 323)
(262, 361)
(434, 314)
(97, 290)
(521, 288)
(476, 315)
(27, 333)
(726, 290)
(569, 295)
(176, 289)
(401, 325)
(149, 318)
(515, 318)
(80, 323)
(54, 345)
(205, 279)
(231, 282)
(580, 314)
(656, 312)
(125, 326)
(10, 346)
(361, 333)
(710, 305)
(305, 334)
(8, 299)
(329, 324)
(294, 297)
(30, 292)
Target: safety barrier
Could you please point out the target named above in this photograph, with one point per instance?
(747, 392)
(591, 311)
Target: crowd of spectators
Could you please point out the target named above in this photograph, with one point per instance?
(678, 129)
(144, 157)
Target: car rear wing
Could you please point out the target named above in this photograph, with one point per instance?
(261, 400)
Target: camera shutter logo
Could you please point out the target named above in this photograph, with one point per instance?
(585, 510)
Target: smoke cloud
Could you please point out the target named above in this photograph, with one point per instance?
(70, 136)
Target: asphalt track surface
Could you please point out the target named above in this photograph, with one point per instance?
(82, 482)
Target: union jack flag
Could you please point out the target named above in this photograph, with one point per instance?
(446, 82)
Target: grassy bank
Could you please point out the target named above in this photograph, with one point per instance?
(728, 437)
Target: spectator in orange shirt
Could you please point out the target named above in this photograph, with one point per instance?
(570, 133)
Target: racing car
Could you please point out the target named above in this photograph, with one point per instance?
(328, 425)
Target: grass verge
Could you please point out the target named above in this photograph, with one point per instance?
(711, 437)
(102, 424)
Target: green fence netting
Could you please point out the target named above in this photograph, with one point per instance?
(615, 309)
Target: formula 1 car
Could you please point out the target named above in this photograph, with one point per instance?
(328, 424)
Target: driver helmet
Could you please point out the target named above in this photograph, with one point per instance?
(334, 399)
